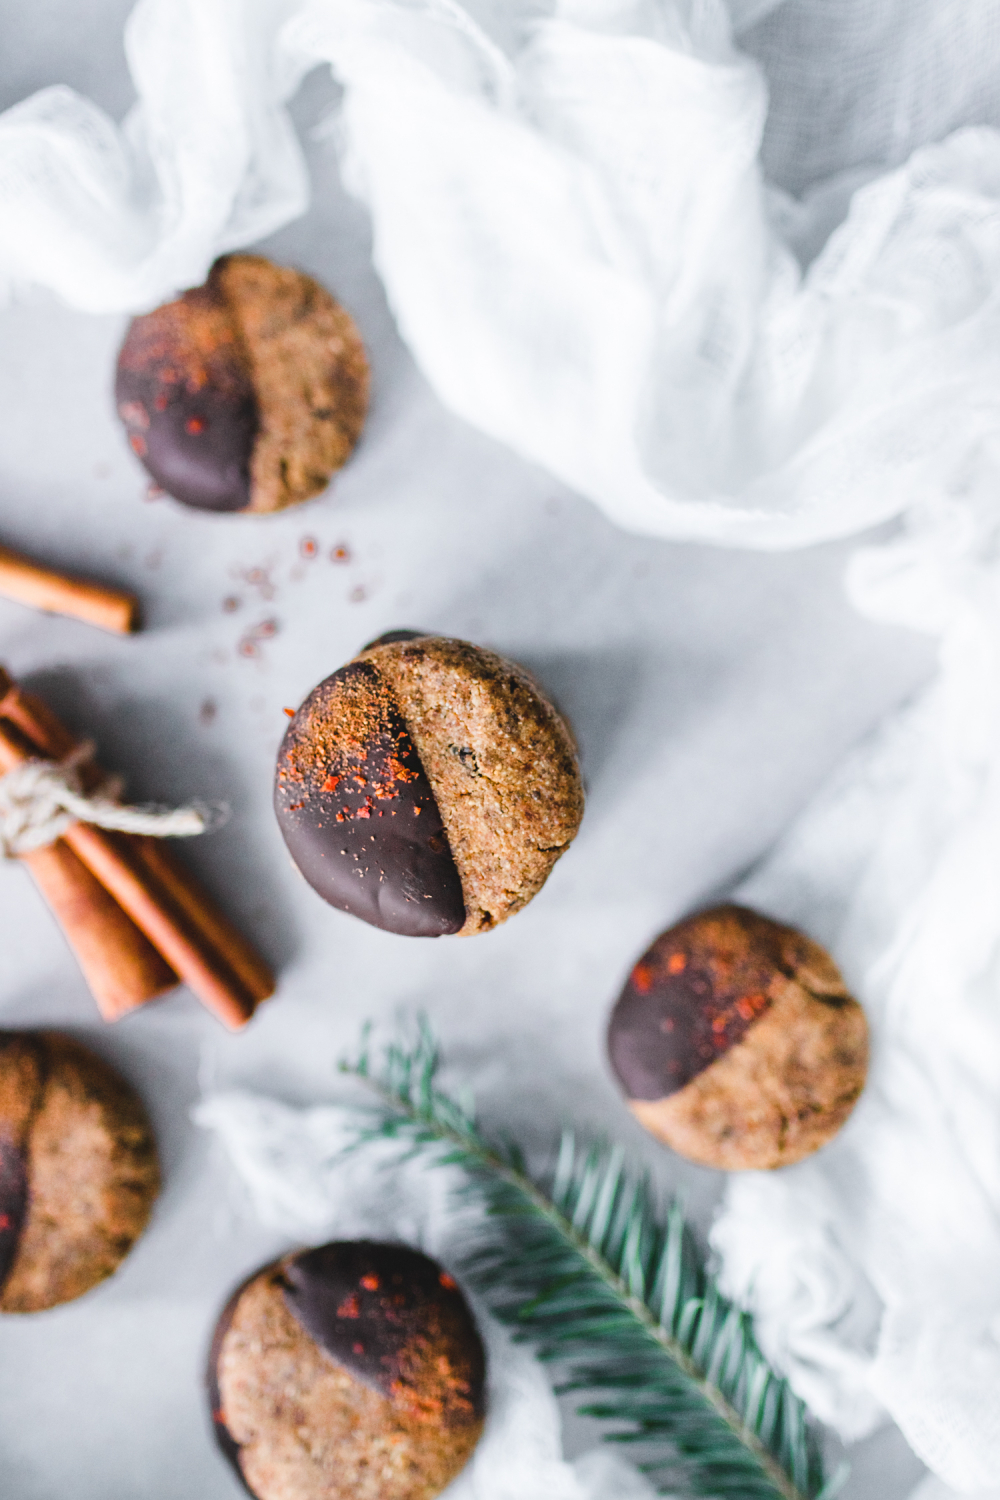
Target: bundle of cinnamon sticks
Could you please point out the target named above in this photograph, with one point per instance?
(136, 919)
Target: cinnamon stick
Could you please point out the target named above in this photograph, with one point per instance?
(122, 968)
(160, 896)
(28, 582)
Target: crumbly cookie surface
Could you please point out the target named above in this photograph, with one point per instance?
(308, 1430)
(501, 763)
(309, 372)
(789, 1072)
(90, 1162)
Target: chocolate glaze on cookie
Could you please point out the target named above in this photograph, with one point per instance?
(13, 1201)
(358, 814)
(737, 1043)
(351, 1370)
(428, 787)
(185, 392)
(372, 1307)
(247, 393)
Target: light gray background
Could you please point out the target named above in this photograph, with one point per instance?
(711, 692)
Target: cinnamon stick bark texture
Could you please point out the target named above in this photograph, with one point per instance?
(150, 889)
(27, 582)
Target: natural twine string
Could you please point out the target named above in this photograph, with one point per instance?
(41, 798)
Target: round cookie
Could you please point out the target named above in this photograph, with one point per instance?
(350, 1372)
(246, 393)
(428, 787)
(737, 1043)
(78, 1170)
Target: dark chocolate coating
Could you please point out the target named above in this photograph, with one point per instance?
(391, 636)
(13, 1201)
(372, 1306)
(188, 402)
(357, 811)
(686, 1003)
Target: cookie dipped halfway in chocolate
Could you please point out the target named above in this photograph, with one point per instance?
(428, 787)
(737, 1043)
(350, 1372)
(244, 394)
(78, 1170)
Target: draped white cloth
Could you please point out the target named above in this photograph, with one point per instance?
(581, 248)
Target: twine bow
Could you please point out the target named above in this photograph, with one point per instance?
(40, 799)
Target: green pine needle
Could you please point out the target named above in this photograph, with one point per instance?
(618, 1297)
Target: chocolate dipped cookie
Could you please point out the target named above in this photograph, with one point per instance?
(78, 1170)
(350, 1372)
(246, 393)
(737, 1043)
(427, 787)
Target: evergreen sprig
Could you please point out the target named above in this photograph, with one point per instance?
(617, 1295)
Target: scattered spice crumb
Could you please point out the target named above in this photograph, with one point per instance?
(341, 553)
(260, 579)
(208, 711)
(250, 643)
(289, 711)
(309, 547)
(358, 595)
(231, 604)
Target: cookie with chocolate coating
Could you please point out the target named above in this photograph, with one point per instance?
(427, 787)
(246, 393)
(350, 1372)
(737, 1043)
(78, 1170)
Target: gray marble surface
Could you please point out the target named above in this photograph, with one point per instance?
(711, 692)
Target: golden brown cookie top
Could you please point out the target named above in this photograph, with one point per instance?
(428, 786)
(246, 393)
(352, 1370)
(78, 1170)
(737, 1042)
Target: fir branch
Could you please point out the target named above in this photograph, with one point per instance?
(582, 1264)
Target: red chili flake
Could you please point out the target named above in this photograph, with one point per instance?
(341, 553)
(194, 425)
(750, 1006)
(265, 630)
(256, 575)
(677, 963)
(364, 812)
(719, 1024)
(219, 1416)
(330, 785)
(138, 444)
(231, 604)
(370, 1283)
(4, 1221)
(340, 817)
(358, 1348)
(248, 647)
(349, 1307)
(642, 978)
(448, 1282)
(161, 402)
(309, 547)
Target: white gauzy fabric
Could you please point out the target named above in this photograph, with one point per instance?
(299, 1182)
(575, 238)
(872, 1267)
